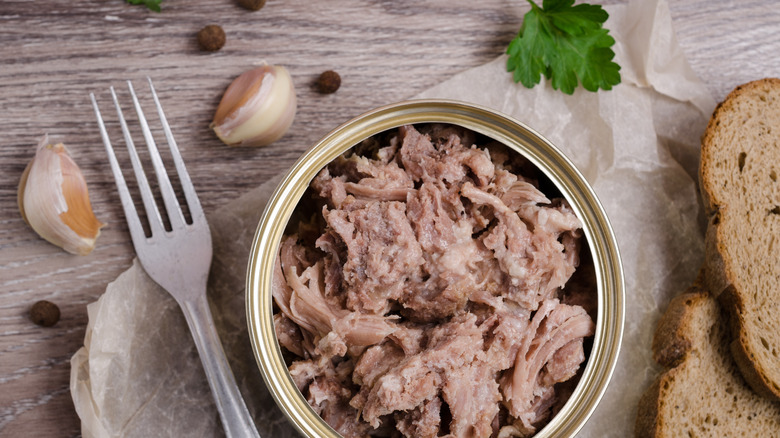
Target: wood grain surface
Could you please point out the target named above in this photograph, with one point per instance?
(53, 53)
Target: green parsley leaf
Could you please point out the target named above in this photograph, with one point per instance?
(565, 43)
(153, 5)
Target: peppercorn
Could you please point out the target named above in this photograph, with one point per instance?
(252, 5)
(211, 38)
(45, 313)
(328, 82)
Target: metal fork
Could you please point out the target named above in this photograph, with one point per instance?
(178, 260)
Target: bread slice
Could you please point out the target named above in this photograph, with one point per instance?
(702, 394)
(740, 183)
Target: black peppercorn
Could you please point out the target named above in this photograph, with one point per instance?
(328, 82)
(252, 5)
(45, 313)
(211, 38)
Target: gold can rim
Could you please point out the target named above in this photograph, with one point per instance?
(515, 135)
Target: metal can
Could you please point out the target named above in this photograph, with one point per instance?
(515, 135)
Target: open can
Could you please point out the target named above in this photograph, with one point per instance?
(516, 136)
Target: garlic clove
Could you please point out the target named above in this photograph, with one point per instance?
(21, 189)
(53, 199)
(257, 108)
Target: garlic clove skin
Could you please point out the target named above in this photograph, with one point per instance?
(53, 199)
(257, 108)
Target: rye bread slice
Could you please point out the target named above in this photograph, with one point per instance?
(702, 393)
(740, 167)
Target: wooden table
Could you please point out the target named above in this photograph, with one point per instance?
(53, 53)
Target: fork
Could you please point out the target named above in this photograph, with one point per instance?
(179, 259)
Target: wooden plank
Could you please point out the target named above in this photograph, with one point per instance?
(53, 53)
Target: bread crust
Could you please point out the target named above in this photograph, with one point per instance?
(731, 301)
(671, 345)
(647, 418)
(715, 278)
(720, 277)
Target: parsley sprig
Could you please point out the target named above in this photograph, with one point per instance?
(565, 43)
(153, 5)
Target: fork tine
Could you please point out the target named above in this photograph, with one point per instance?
(152, 212)
(133, 221)
(193, 203)
(169, 196)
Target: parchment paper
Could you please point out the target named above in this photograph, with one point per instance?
(138, 373)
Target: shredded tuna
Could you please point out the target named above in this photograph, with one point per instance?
(382, 252)
(554, 326)
(432, 294)
(423, 422)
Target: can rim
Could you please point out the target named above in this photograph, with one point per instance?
(515, 135)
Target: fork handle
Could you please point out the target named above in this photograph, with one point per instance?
(236, 420)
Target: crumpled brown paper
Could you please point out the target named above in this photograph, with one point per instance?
(138, 373)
